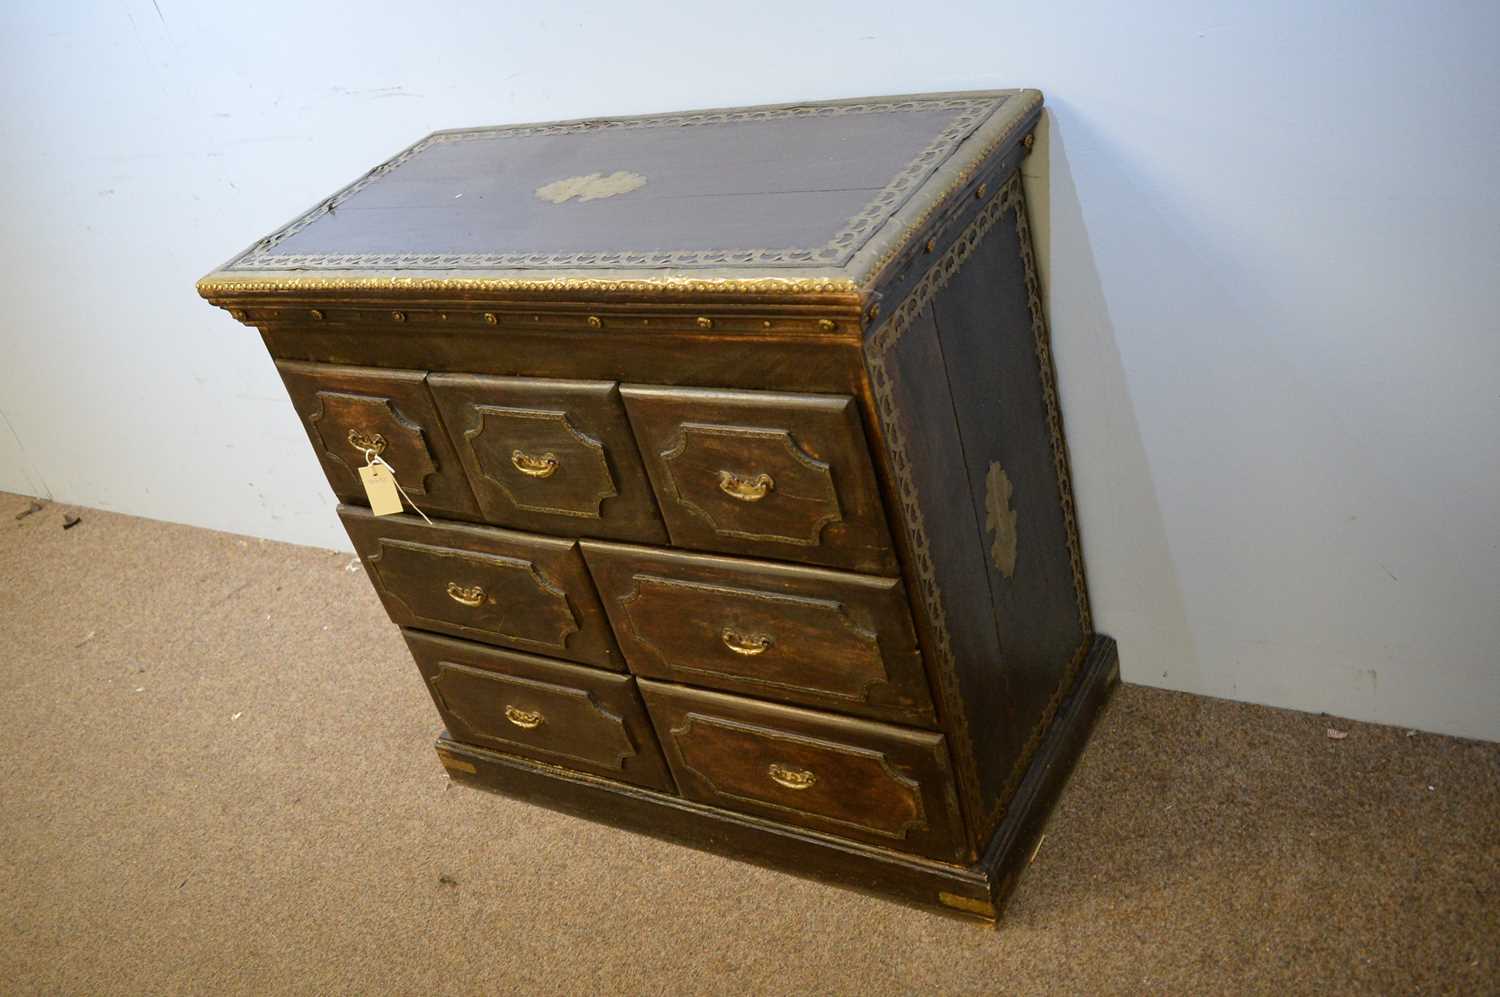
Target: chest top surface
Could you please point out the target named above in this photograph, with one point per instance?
(817, 193)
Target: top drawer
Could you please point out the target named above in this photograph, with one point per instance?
(348, 410)
(548, 455)
(754, 472)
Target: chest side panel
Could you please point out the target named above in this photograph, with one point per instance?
(962, 380)
(994, 343)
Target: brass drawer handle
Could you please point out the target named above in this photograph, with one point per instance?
(525, 719)
(367, 442)
(470, 595)
(745, 489)
(785, 775)
(535, 467)
(742, 643)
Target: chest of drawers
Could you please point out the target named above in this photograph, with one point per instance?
(745, 509)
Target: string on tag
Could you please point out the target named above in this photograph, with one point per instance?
(372, 458)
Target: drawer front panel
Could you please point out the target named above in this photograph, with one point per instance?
(871, 782)
(349, 410)
(549, 455)
(518, 703)
(753, 472)
(496, 586)
(799, 635)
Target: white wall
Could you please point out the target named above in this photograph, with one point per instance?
(1271, 233)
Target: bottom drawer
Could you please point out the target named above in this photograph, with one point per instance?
(853, 778)
(580, 718)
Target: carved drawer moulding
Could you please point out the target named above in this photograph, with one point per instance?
(810, 479)
(579, 448)
(549, 617)
(609, 735)
(866, 758)
(838, 625)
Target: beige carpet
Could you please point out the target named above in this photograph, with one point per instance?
(218, 778)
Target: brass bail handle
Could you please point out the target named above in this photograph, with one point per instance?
(535, 465)
(367, 443)
(791, 778)
(466, 595)
(745, 488)
(525, 719)
(747, 644)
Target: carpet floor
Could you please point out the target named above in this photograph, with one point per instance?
(218, 777)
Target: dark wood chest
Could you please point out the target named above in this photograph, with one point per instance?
(747, 509)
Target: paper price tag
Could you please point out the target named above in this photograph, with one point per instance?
(380, 488)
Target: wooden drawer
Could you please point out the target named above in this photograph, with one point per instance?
(346, 409)
(555, 456)
(799, 635)
(496, 586)
(756, 472)
(576, 717)
(871, 782)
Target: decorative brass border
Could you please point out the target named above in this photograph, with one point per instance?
(975, 161)
(215, 287)
(1010, 197)
(971, 112)
(1047, 371)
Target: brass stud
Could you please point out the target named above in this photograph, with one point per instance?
(704, 322)
(827, 324)
(398, 316)
(981, 190)
(931, 245)
(490, 319)
(766, 324)
(595, 322)
(1029, 141)
(316, 313)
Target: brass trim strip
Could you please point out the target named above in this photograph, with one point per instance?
(971, 904)
(1047, 371)
(218, 289)
(913, 217)
(457, 764)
